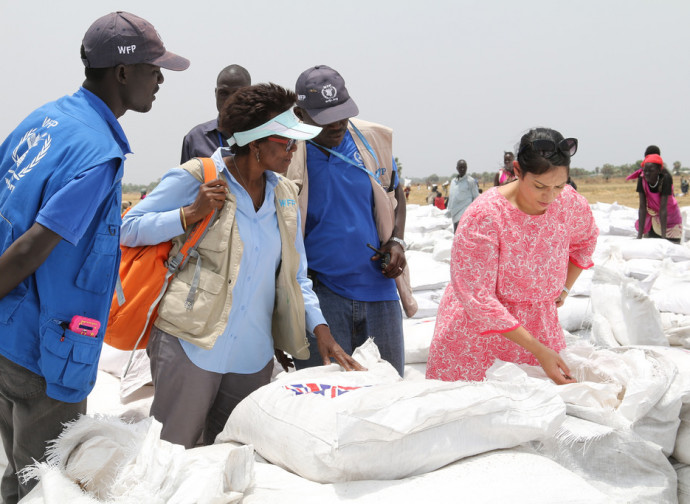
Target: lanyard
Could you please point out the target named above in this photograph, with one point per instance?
(220, 139)
(351, 161)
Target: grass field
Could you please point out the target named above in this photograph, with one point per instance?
(595, 189)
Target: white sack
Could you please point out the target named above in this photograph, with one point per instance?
(676, 327)
(105, 399)
(138, 375)
(427, 302)
(575, 314)
(442, 249)
(119, 462)
(653, 393)
(473, 480)
(415, 371)
(425, 273)
(602, 333)
(682, 449)
(681, 359)
(683, 473)
(617, 462)
(583, 285)
(372, 425)
(653, 248)
(671, 288)
(423, 241)
(425, 218)
(112, 360)
(640, 269)
(627, 388)
(418, 334)
(631, 314)
(54, 487)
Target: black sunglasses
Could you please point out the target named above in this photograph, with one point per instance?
(547, 148)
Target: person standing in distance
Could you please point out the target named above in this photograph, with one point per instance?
(341, 173)
(463, 191)
(205, 138)
(60, 236)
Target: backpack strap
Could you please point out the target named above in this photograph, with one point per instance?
(192, 241)
(180, 260)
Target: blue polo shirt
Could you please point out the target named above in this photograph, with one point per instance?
(340, 222)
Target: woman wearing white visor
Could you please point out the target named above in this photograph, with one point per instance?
(252, 293)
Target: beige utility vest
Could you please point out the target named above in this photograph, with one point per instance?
(380, 139)
(220, 253)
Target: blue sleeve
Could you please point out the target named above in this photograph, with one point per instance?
(313, 315)
(70, 210)
(156, 218)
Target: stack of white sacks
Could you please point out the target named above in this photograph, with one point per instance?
(621, 434)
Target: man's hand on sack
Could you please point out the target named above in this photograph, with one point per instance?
(329, 348)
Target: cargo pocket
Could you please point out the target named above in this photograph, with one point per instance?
(68, 359)
(207, 301)
(96, 274)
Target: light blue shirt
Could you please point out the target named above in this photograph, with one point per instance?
(246, 345)
(463, 191)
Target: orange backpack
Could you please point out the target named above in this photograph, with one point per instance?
(145, 272)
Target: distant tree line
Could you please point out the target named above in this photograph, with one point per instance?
(484, 177)
(137, 188)
(607, 171)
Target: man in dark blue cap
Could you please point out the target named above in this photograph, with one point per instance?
(350, 198)
(61, 172)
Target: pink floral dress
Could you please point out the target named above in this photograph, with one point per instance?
(507, 269)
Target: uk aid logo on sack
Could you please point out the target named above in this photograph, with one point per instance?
(325, 390)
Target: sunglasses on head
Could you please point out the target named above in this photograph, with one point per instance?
(288, 142)
(547, 148)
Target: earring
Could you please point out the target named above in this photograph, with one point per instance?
(257, 157)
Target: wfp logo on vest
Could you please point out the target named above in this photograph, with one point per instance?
(29, 151)
(287, 202)
(129, 49)
(358, 159)
(380, 172)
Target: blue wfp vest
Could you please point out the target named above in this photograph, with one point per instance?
(50, 148)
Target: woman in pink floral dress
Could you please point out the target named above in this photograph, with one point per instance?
(518, 250)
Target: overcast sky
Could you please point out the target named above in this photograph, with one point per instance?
(453, 78)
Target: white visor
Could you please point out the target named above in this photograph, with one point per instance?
(286, 125)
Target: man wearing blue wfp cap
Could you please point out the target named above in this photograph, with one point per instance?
(60, 235)
(350, 198)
